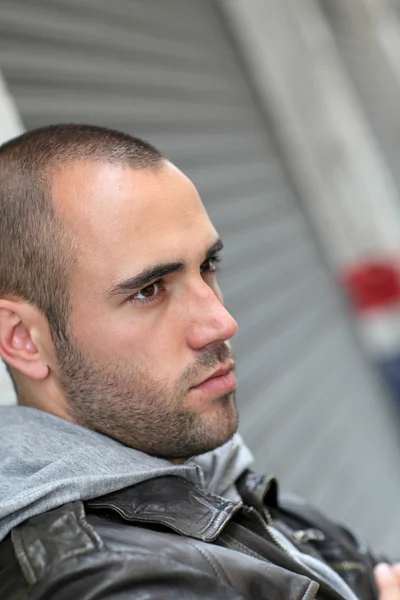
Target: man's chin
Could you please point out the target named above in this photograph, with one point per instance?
(225, 421)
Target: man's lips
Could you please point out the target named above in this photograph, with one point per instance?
(220, 382)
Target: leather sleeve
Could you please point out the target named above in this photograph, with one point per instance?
(122, 576)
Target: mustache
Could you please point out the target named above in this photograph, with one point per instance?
(212, 356)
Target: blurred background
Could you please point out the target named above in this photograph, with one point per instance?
(286, 115)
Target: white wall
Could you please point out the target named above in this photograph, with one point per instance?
(10, 126)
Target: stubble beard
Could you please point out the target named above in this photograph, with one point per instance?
(128, 404)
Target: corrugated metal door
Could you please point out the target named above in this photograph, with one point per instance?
(358, 34)
(166, 71)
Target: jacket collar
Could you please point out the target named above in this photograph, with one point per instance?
(258, 491)
(173, 502)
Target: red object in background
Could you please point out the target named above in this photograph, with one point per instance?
(372, 285)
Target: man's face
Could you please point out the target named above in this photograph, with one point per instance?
(147, 327)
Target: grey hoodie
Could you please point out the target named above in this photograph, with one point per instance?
(46, 462)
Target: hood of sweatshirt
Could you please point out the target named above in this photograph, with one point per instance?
(46, 462)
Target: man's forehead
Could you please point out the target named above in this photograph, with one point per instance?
(90, 183)
(123, 216)
(99, 199)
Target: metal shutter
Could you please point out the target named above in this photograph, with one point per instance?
(375, 81)
(166, 71)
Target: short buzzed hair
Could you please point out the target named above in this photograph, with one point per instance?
(37, 254)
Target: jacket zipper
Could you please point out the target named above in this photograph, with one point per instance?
(267, 528)
(308, 535)
(302, 535)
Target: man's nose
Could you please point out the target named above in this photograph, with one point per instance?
(209, 321)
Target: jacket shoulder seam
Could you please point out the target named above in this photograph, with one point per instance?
(34, 546)
(215, 565)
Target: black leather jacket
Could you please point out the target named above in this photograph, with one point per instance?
(166, 539)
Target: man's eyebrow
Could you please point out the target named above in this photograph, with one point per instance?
(214, 249)
(157, 271)
(145, 277)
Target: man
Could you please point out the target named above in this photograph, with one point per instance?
(121, 473)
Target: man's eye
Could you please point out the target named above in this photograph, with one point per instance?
(146, 294)
(210, 265)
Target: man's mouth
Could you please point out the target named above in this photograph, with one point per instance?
(221, 381)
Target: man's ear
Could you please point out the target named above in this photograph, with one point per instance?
(20, 339)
